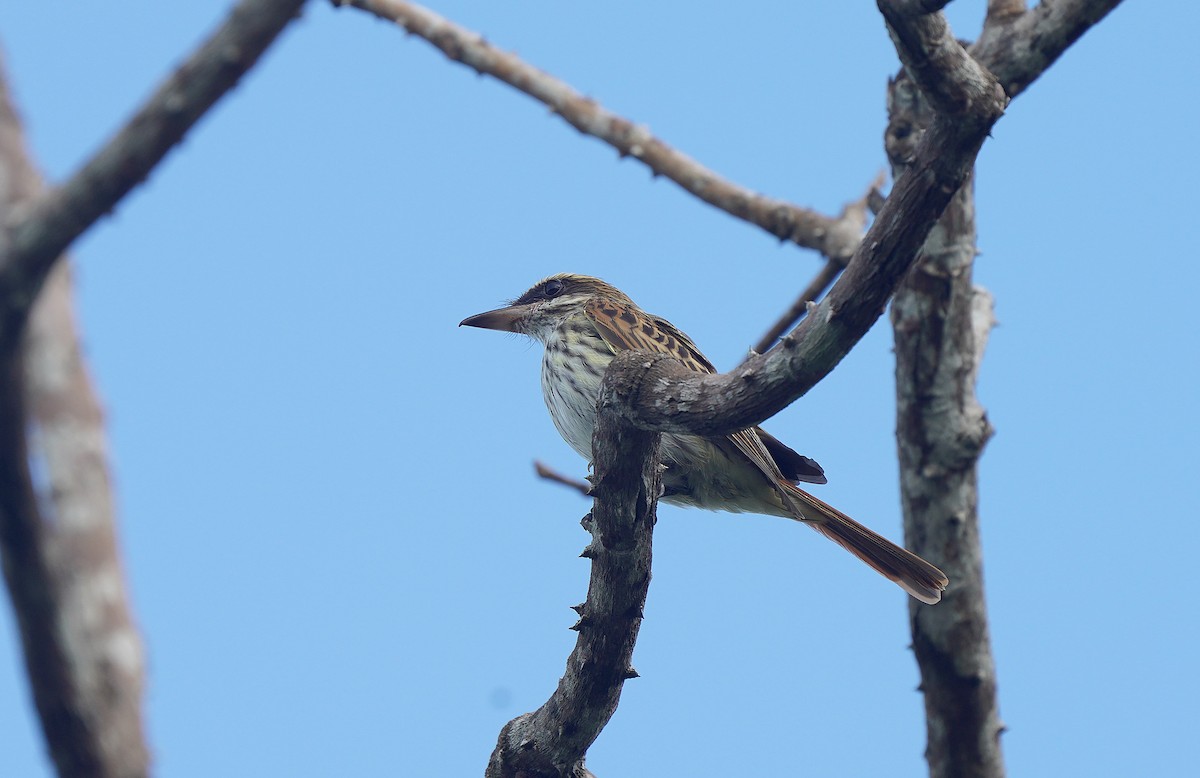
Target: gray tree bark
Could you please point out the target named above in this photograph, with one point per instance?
(941, 322)
(57, 524)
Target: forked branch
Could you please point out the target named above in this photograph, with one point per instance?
(657, 393)
(941, 321)
(642, 392)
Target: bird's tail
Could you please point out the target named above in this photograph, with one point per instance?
(914, 575)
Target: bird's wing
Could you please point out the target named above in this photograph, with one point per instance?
(626, 328)
(795, 467)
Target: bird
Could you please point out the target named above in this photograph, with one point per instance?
(583, 322)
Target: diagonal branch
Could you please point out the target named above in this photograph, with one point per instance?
(37, 236)
(1018, 48)
(671, 399)
(643, 392)
(786, 221)
(949, 77)
(851, 223)
(655, 393)
(821, 282)
(550, 474)
(968, 102)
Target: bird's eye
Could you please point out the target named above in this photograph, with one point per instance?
(553, 288)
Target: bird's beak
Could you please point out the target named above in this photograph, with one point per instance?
(505, 319)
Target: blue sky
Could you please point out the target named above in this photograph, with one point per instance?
(339, 555)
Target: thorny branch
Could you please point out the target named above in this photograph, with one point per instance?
(643, 392)
(1016, 46)
(553, 740)
(652, 389)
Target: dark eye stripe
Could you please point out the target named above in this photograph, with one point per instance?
(547, 290)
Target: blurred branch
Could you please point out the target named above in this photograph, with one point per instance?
(57, 521)
(553, 740)
(784, 220)
(57, 525)
(951, 80)
(544, 471)
(999, 11)
(1018, 47)
(41, 230)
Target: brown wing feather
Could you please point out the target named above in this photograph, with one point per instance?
(625, 327)
(795, 467)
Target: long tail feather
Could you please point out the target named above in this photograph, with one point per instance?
(916, 576)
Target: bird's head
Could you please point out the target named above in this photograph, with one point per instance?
(547, 304)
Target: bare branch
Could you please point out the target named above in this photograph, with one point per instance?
(969, 105)
(57, 527)
(951, 80)
(1019, 48)
(553, 740)
(784, 220)
(999, 11)
(655, 392)
(40, 233)
(821, 282)
(849, 225)
(550, 474)
(764, 385)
